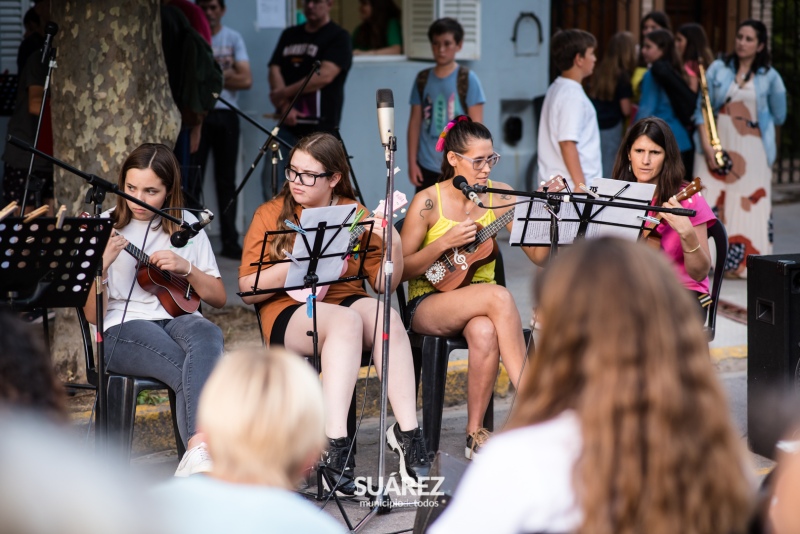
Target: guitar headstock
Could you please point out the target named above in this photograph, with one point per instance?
(690, 190)
(399, 200)
(554, 185)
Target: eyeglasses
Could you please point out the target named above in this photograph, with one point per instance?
(308, 179)
(479, 163)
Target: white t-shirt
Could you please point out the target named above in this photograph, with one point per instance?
(143, 304)
(228, 47)
(568, 115)
(521, 482)
(201, 504)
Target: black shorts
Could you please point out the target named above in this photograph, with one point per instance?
(411, 308)
(276, 337)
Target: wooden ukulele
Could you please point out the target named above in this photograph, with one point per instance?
(173, 291)
(649, 230)
(399, 200)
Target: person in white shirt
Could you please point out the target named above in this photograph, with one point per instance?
(569, 135)
(621, 424)
(146, 334)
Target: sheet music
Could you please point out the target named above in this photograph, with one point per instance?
(605, 220)
(328, 269)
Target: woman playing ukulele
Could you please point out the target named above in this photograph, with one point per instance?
(649, 154)
(439, 219)
(141, 337)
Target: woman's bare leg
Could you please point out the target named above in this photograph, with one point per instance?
(484, 358)
(401, 387)
(340, 340)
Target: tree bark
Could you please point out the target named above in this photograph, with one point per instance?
(109, 94)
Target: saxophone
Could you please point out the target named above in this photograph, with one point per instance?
(723, 159)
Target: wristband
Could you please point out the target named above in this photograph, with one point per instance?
(189, 271)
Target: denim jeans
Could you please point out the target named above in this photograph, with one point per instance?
(180, 352)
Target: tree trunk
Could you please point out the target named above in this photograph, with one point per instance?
(109, 94)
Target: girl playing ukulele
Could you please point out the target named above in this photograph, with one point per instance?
(141, 337)
(440, 218)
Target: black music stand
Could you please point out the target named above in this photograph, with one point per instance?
(43, 266)
(317, 242)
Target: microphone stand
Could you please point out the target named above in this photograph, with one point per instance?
(38, 192)
(270, 139)
(388, 269)
(96, 195)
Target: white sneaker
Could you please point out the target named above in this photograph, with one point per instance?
(196, 460)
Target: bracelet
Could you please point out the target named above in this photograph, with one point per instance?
(695, 249)
(104, 282)
(189, 271)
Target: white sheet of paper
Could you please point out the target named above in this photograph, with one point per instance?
(328, 269)
(270, 14)
(538, 227)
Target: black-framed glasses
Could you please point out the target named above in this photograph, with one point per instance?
(479, 163)
(308, 179)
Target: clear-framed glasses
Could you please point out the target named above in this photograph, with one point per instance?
(478, 163)
(308, 179)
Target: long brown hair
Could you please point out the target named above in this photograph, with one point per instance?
(160, 159)
(697, 48)
(372, 33)
(665, 42)
(624, 350)
(669, 181)
(326, 149)
(619, 60)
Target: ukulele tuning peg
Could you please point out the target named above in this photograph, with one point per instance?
(403, 210)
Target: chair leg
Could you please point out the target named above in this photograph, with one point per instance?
(121, 412)
(180, 445)
(352, 420)
(434, 377)
(488, 417)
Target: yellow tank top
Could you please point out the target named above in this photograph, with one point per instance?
(484, 275)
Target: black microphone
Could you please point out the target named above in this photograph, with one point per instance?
(50, 31)
(385, 101)
(459, 182)
(182, 236)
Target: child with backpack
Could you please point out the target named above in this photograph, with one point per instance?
(439, 94)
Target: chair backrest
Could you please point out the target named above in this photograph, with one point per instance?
(719, 235)
(88, 351)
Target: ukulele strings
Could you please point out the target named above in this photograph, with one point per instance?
(180, 282)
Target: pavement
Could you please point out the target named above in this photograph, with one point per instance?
(729, 351)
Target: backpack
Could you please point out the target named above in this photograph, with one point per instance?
(195, 76)
(462, 84)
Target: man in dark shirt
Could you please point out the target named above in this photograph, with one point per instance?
(299, 46)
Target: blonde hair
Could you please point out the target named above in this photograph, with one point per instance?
(623, 347)
(262, 412)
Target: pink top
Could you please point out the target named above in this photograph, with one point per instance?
(671, 241)
(197, 18)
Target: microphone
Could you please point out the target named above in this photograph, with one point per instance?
(385, 100)
(50, 31)
(459, 182)
(182, 236)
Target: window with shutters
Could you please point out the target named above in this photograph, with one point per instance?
(11, 31)
(419, 14)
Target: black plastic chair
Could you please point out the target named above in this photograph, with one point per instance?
(719, 235)
(431, 356)
(121, 397)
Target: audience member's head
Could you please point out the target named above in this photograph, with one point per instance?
(619, 60)
(655, 20)
(32, 22)
(783, 505)
(691, 44)
(444, 26)
(27, 377)
(622, 349)
(375, 16)
(567, 45)
(262, 413)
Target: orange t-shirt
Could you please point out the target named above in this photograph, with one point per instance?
(265, 219)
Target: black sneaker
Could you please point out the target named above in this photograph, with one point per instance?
(339, 468)
(476, 440)
(410, 447)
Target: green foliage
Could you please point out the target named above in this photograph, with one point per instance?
(151, 397)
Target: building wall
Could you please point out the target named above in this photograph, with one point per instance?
(509, 81)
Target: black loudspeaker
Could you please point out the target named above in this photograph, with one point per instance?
(773, 348)
(431, 506)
